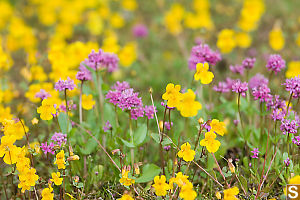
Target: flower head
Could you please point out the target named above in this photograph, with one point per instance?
(240, 87)
(60, 160)
(218, 127)
(46, 110)
(203, 54)
(172, 95)
(186, 152)
(62, 85)
(203, 74)
(275, 63)
(140, 31)
(107, 126)
(258, 80)
(125, 180)
(292, 85)
(149, 111)
(229, 194)
(56, 178)
(87, 102)
(212, 145)
(160, 185)
(255, 153)
(248, 63)
(188, 107)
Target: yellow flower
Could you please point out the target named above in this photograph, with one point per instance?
(243, 39)
(226, 41)
(173, 18)
(116, 20)
(229, 194)
(172, 95)
(128, 54)
(203, 74)
(56, 178)
(293, 69)
(130, 5)
(188, 107)
(218, 195)
(125, 180)
(27, 178)
(34, 121)
(218, 127)
(60, 160)
(180, 180)
(160, 185)
(126, 197)
(8, 149)
(87, 102)
(47, 193)
(276, 39)
(187, 192)
(46, 110)
(186, 152)
(14, 127)
(298, 39)
(210, 143)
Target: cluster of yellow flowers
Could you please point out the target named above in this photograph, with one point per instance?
(201, 18)
(186, 187)
(60, 160)
(212, 145)
(185, 103)
(250, 14)
(14, 130)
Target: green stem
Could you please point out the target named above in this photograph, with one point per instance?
(80, 103)
(131, 139)
(99, 85)
(239, 110)
(288, 105)
(67, 110)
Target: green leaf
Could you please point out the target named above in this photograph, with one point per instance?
(89, 147)
(140, 135)
(128, 144)
(156, 138)
(149, 172)
(63, 123)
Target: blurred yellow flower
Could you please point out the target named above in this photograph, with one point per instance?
(187, 192)
(116, 20)
(129, 5)
(60, 160)
(226, 40)
(293, 69)
(87, 102)
(243, 39)
(128, 54)
(125, 180)
(276, 39)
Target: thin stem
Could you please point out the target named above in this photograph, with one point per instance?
(262, 173)
(288, 105)
(160, 134)
(67, 109)
(90, 134)
(131, 139)
(99, 85)
(239, 110)
(199, 134)
(196, 163)
(4, 186)
(80, 103)
(220, 170)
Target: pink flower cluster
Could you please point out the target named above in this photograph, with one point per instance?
(101, 60)
(124, 97)
(62, 85)
(201, 54)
